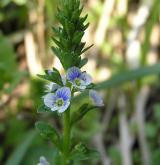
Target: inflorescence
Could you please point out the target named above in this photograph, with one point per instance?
(58, 97)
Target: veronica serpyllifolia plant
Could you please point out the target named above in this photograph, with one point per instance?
(61, 89)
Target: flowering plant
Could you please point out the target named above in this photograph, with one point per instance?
(62, 88)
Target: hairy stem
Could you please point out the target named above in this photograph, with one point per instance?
(66, 136)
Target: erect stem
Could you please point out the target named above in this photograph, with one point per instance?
(66, 136)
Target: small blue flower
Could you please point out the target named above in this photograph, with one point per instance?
(96, 98)
(58, 101)
(78, 79)
(43, 161)
(50, 72)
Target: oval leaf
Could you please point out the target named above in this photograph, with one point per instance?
(48, 132)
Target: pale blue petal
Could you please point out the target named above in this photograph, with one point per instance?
(96, 98)
(49, 100)
(73, 73)
(55, 87)
(54, 108)
(64, 107)
(63, 77)
(87, 79)
(63, 93)
(50, 72)
(43, 161)
(82, 87)
(51, 87)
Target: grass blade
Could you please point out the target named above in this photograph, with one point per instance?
(18, 155)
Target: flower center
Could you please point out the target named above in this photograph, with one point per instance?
(78, 81)
(59, 102)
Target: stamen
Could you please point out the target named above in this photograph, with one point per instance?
(59, 102)
(78, 82)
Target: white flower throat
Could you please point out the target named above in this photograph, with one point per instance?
(78, 81)
(59, 102)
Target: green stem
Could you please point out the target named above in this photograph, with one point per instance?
(66, 136)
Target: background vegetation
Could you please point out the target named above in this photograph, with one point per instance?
(124, 62)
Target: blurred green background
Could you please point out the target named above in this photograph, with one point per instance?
(124, 62)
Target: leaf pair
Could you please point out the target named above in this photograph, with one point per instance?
(49, 133)
(53, 76)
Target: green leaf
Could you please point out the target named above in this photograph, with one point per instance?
(57, 75)
(91, 86)
(130, 75)
(151, 130)
(155, 156)
(48, 132)
(83, 62)
(84, 50)
(56, 31)
(58, 43)
(154, 15)
(8, 66)
(20, 151)
(84, 18)
(57, 52)
(124, 77)
(76, 13)
(86, 26)
(77, 36)
(54, 76)
(43, 109)
(80, 113)
(81, 152)
(157, 112)
(115, 155)
(20, 2)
